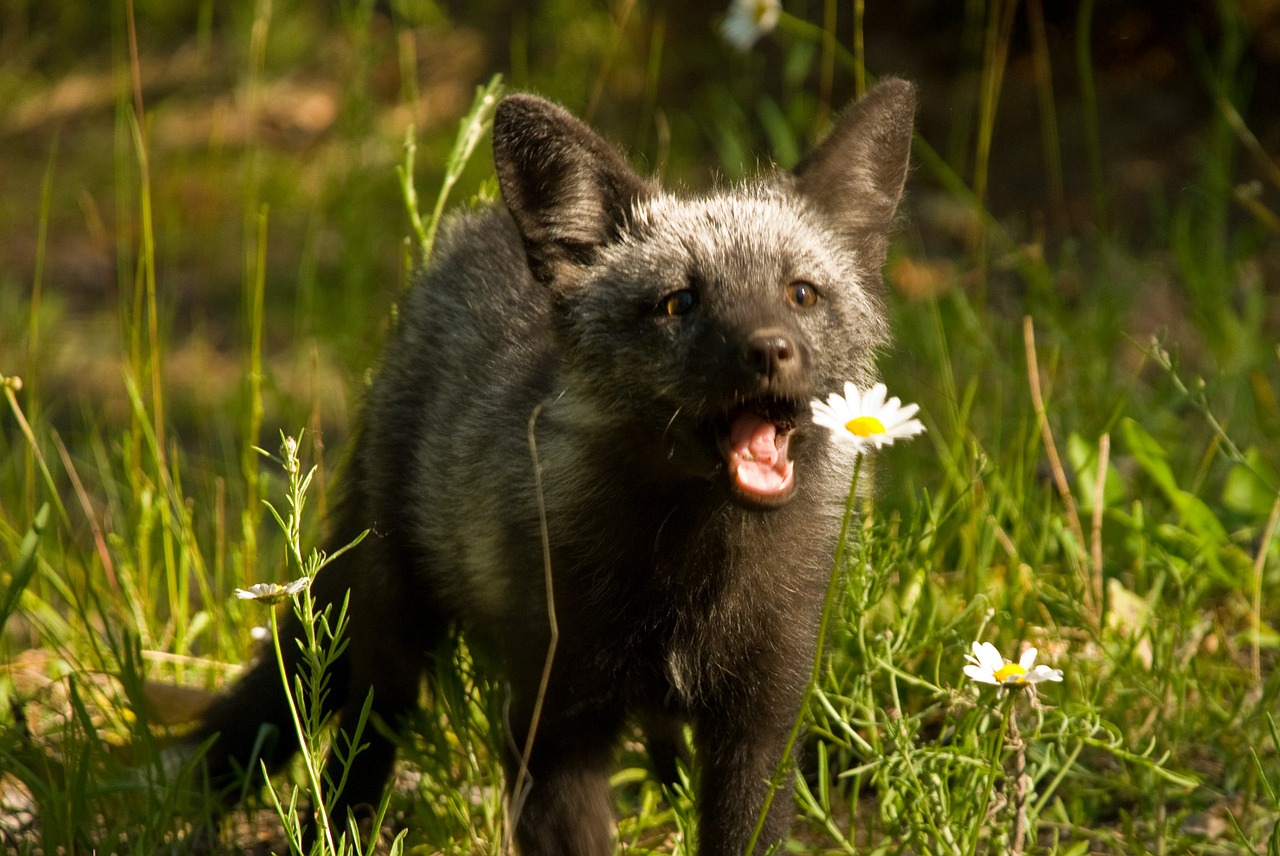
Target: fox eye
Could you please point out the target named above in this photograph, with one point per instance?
(802, 294)
(679, 302)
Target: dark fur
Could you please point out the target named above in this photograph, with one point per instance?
(680, 598)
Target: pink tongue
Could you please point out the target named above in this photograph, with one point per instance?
(757, 457)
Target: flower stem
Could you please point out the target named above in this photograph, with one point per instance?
(828, 603)
(996, 751)
(1021, 785)
(313, 775)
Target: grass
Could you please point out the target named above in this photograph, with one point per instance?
(207, 236)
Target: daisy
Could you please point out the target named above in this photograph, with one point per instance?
(748, 20)
(988, 667)
(273, 592)
(860, 419)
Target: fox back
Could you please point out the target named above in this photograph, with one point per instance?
(595, 409)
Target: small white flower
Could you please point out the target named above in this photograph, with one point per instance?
(860, 419)
(988, 667)
(273, 592)
(748, 20)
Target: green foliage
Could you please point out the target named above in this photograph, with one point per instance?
(24, 565)
(322, 643)
(220, 267)
(473, 129)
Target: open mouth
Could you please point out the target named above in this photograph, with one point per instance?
(754, 440)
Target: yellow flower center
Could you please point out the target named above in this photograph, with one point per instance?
(865, 426)
(1010, 673)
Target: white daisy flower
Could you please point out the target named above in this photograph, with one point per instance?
(273, 592)
(748, 20)
(860, 419)
(988, 667)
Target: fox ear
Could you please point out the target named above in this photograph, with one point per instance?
(568, 190)
(856, 174)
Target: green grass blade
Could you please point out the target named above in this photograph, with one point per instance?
(25, 566)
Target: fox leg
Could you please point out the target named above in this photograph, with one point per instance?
(565, 807)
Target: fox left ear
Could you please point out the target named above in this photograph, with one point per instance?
(568, 190)
(857, 173)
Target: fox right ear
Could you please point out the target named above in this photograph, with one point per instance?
(856, 175)
(568, 190)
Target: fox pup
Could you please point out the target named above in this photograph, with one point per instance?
(665, 349)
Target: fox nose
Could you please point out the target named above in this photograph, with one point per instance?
(772, 354)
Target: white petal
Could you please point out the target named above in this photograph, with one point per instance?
(827, 418)
(874, 399)
(988, 656)
(1027, 659)
(909, 429)
(297, 585)
(881, 440)
(981, 675)
(900, 416)
(850, 441)
(739, 30)
(1043, 673)
(837, 405)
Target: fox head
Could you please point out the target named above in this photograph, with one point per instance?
(703, 325)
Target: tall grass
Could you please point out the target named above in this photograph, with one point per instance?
(1107, 498)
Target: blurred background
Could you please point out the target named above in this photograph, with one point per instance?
(1068, 127)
